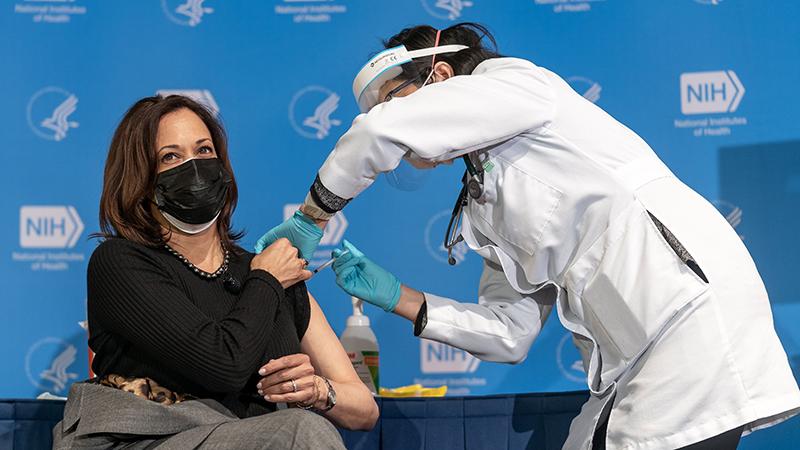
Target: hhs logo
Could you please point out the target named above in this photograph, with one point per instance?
(49, 227)
(434, 239)
(47, 364)
(445, 9)
(710, 92)
(732, 214)
(189, 12)
(569, 360)
(202, 96)
(435, 357)
(310, 112)
(589, 89)
(49, 112)
(406, 178)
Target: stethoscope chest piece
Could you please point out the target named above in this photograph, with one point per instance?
(475, 188)
(472, 187)
(473, 179)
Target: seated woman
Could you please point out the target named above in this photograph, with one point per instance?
(207, 336)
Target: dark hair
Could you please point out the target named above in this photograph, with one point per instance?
(130, 173)
(463, 62)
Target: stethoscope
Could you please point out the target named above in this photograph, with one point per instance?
(472, 186)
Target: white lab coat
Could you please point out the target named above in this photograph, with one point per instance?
(565, 222)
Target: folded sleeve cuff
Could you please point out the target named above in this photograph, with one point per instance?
(437, 319)
(325, 199)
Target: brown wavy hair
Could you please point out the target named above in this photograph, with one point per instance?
(130, 173)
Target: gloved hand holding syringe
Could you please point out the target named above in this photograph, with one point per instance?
(355, 273)
(329, 262)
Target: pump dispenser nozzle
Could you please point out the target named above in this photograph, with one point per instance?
(358, 318)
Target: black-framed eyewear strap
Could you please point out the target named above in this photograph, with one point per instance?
(390, 95)
(453, 234)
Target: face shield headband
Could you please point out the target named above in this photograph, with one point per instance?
(388, 65)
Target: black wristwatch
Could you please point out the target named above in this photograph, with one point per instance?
(331, 396)
(422, 319)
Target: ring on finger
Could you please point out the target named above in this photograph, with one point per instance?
(294, 385)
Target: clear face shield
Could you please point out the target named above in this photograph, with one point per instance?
(396, 67)
(387, 75)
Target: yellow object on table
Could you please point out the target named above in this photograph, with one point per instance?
(414, 390)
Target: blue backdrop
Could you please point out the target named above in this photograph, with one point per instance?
(712, 85)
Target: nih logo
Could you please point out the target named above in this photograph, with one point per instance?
(710, 92)
(436, 357)
(49, 227)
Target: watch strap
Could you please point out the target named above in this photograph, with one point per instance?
(331, 396)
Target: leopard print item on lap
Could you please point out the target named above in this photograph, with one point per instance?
(143, 387)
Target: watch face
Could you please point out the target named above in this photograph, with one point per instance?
(331, 397)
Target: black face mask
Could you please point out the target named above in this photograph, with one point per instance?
(193, 192)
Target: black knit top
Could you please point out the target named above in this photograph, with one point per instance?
(151, 316)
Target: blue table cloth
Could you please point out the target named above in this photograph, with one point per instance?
(524, 421)
(499, 422)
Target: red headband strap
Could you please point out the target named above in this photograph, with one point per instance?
(435, 44)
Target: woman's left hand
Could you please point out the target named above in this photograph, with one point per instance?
(289, 379)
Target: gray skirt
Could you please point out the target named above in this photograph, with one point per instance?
(100, 417)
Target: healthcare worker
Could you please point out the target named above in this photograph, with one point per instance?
(568, 208)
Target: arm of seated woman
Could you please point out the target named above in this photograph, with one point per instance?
(132, 295)
(323, 356)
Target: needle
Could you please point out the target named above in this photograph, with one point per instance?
(329, 262)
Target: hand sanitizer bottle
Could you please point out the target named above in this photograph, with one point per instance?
(361, 346)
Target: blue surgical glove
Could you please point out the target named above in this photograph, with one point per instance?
(299, 229)
(362, 278)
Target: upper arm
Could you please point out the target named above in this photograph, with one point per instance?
(133, 296)
(322, 345)
(440, 121)
(467, 112)
(300, 299)
(494, 288)
(501, 328)
(495, 292)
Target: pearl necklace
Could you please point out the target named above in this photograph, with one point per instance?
(208, 275)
